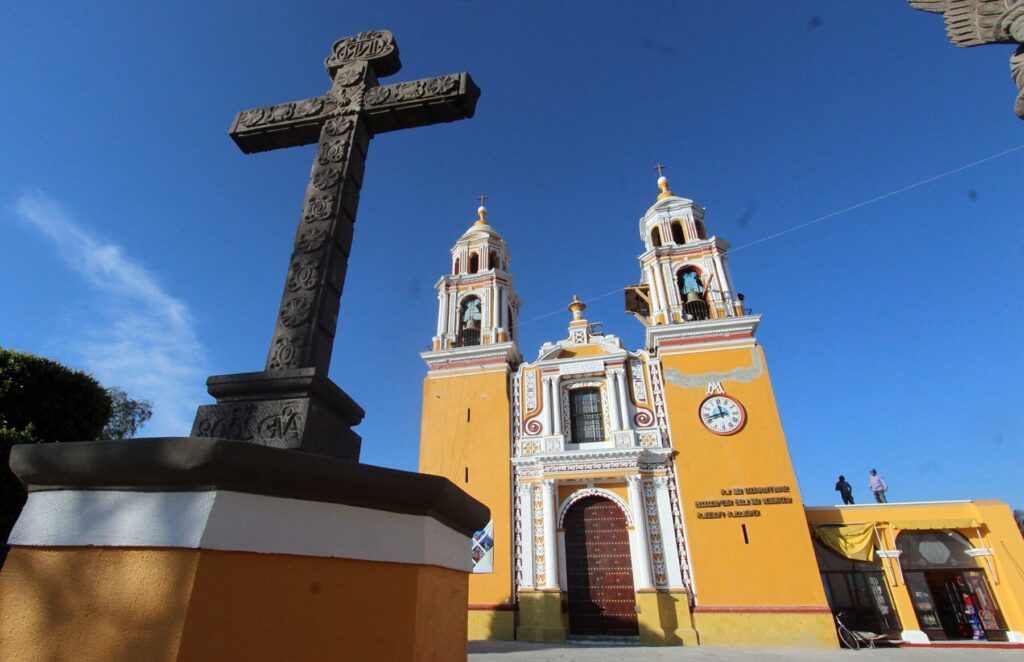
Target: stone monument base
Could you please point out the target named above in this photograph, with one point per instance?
(193, 548)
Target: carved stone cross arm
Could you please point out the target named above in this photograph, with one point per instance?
(387, 108)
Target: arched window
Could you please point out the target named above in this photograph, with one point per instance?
(677, 233)
(701, 232)
(492, 260)
(474, 263)
(656, 238)
(585, 418)
(456, 270)
(470, 320)
(693, 293)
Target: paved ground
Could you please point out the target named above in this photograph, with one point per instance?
(503, 651)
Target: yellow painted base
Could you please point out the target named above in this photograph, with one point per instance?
(170, 604)
(664, 619)
(541, 617)
(799, 630)
(494, 625)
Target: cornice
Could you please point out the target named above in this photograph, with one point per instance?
(476, 355)
(716, 330)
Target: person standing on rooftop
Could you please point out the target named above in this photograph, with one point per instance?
(877, 486)
(845, 490)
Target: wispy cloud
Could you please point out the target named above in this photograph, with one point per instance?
(143, 338)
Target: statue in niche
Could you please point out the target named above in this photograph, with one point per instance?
(981, 22)
(471, 314)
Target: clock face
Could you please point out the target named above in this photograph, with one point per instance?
(722, 415)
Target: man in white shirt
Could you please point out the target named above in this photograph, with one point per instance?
(877, 486)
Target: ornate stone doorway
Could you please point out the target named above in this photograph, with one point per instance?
(599, 574)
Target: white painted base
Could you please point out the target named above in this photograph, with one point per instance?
(234, 521)
(915, 637)
(1015, 637)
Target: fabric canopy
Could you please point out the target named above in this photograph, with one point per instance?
(854, 541)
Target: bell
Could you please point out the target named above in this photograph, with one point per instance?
(693, 296)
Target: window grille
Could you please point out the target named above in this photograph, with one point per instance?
(585, 415)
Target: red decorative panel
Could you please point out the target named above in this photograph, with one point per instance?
(600, 573)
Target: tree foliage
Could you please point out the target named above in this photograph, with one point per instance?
(42, 401)
(59, 403)
(126, 415)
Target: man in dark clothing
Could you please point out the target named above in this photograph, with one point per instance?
(845, 489)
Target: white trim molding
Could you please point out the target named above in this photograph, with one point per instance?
(593, 491)
(238, 522)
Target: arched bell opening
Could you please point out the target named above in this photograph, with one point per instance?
(656, 238)
(470, 321)
(456, 269)
(493, 261)
(693, 293)
(474, 263)
(677, 233)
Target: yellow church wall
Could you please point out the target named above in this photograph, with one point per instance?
(465, 427)
(998, 531)
(770, 575)
(94, 603)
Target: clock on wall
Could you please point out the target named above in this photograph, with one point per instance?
(722, 414)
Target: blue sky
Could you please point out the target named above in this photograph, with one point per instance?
(139, 243)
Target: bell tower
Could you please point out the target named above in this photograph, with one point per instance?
(739, 497)
(684, 273)
(465, 434)
(476, 302)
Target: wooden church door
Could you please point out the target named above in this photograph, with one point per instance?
(599, 570)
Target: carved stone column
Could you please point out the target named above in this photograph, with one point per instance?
(556, 406)
(641, 551)
(613, 403)
(526, 550)
(620, 383)
(550, 534)
(673, 565)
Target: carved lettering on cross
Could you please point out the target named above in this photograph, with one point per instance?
(341, 123)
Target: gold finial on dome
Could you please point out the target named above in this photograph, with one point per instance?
(481, 212)
(663, 182)
(577, 307)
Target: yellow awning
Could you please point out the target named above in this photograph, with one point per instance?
(948, 523)
(854, 541)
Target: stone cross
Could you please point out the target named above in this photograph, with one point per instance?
(292, 403)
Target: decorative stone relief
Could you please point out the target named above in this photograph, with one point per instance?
(277, 423)
(654, 534)
(636, 371)
(649, 440)
(530, 385)
(538, 536)
(623, 439)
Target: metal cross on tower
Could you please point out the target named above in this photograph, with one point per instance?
(292, 403)
(660, 168)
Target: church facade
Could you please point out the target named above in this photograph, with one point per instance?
(639, 494)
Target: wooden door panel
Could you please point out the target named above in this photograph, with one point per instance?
(599, 571)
